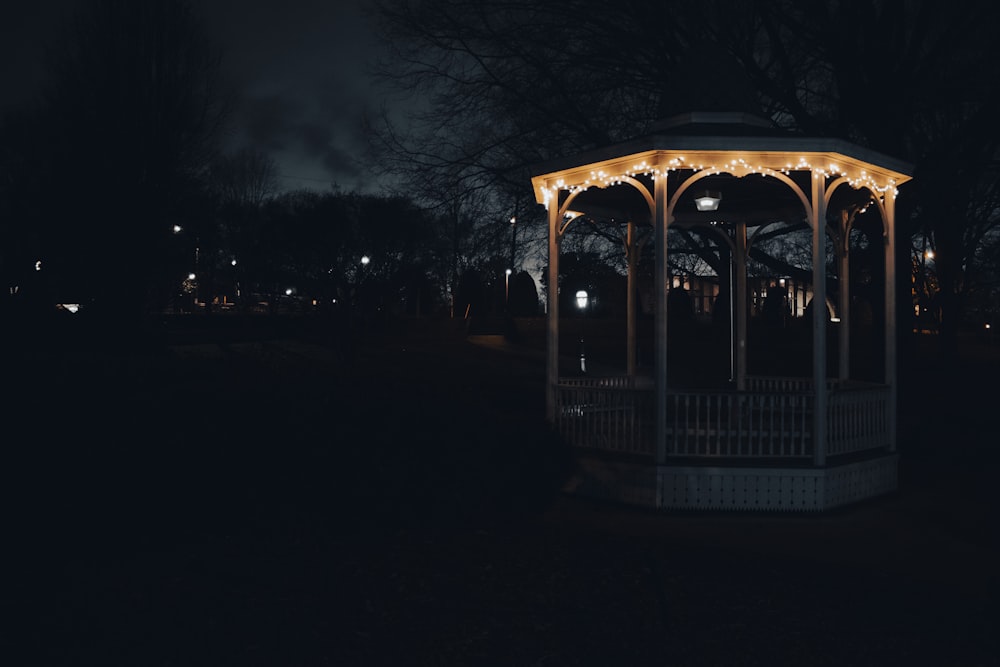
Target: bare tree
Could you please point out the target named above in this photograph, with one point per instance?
(240, 184)
(903, 78)
(132, 112)
(509, 84)
(244, 179)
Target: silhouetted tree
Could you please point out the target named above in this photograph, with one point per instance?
(513, 83)
(471, 295)
(927, 101)
(244, 179)
(241, 183)
(128, 123)
(523, 300)
(368, 252)
(23, 190)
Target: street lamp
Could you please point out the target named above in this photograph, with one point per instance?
(513, 237)
(582, 299)
(236, 283)
(506, 288)
(708, 200)
(359, 280)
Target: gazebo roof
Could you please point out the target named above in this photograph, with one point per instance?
(719, 142)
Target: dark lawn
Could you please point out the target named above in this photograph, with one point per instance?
(285, 499)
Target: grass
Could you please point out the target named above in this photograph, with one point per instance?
(287, 498)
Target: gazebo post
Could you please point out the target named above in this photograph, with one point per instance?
(844, 274)
(818, 215)
(890, 313)
(552, 318)
(630, 258)
(661, 217)
(739, 301)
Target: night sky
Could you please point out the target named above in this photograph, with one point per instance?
(300, 69)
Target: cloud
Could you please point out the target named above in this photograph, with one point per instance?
(315, 138)
(263, 122)
(343, 166)
(303, 78)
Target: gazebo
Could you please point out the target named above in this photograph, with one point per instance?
(758, 440)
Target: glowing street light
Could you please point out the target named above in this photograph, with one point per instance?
(581, 299)
(708, 200)
(506, 286)
(365, 259)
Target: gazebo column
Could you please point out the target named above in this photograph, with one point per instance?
(552, 298)
(631, 261)
(661, 216)
(844, 274)
(818, 221)
(890, 313)
(739, 301)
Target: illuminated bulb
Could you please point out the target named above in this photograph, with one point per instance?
(708, 201)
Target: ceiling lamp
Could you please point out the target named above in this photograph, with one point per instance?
(708, 200)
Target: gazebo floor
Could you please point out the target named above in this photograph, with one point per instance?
(726, 485)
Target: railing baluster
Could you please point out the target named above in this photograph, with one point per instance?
(721, 438)
(771, 420)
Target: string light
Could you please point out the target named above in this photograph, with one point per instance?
(737, 166)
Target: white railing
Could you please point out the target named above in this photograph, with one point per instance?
(774, 420)
(857, 419)
(739, 424)
(778, 384)
(609, 414)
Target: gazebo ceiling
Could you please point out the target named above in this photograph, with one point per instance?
(733, 153)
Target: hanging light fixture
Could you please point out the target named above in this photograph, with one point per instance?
(708, 200)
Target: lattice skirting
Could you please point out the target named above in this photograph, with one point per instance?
(736, 489)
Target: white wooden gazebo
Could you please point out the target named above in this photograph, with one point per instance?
(761, 442)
